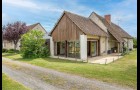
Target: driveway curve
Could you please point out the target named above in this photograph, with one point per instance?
(39, 78)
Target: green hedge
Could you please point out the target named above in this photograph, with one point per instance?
(4, 50)
(10, 51)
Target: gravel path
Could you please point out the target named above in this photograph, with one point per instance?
(38, 78)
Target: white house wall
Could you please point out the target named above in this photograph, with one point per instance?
(130, 43)
(38, 27)
(83, 47)
(10, 45)
(102, 45)
(51, 46)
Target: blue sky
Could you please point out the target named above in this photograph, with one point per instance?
(47, 12)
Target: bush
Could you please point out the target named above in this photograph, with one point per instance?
(13, 51)
(125, 51)
(4, 50)
(135, 42)
(44, 51)
(33, 45)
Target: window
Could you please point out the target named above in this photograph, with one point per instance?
(70, 49)
(62, 48)
(77, 49)
(74, 49)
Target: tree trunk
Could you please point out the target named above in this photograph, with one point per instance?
(15, 45)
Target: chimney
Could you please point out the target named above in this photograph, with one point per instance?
(108, 18)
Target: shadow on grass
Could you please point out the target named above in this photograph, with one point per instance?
(48, 59)
(62, 60)
(9, 54)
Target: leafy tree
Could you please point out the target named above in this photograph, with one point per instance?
(135, 42)
(13, 31)
(33, 45)
(3, 28)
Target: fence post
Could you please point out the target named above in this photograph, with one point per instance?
(105, 61)
(113, 59)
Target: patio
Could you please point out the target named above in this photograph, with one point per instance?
(105, 59)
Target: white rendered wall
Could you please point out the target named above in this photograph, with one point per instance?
(130, 43)
(102, 45)
(83, 47)
(106, 44)
(51, 46)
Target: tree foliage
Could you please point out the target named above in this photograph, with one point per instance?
(13, 31)
(33, 45)
(135, 42)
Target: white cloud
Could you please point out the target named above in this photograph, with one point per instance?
(125, 11)
(5, 18)
(22, 3)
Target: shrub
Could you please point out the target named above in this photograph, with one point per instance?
(135, 42)
(125, 51)
(32, 45)
(4, 50)
(44, 51)
(13, 51)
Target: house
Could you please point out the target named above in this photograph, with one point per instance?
(81, 37)
(36, 26)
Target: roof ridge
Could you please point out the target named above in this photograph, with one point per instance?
(114, 24)
(98, 26)
(102, 18)
(121, 28)
(75, 14)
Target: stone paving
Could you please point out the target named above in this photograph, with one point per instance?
(105, 59)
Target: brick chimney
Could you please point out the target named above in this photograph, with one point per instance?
(108, 18)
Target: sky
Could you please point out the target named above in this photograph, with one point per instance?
(47, 12)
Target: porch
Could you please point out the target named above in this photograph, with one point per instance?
(105, 59)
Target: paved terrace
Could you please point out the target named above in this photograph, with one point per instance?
(105, 59)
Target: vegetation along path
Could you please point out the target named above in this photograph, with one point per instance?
(39, 78)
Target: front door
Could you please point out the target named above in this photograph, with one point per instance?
(93, 48)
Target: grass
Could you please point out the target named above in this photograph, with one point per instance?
(122, 71)
(9, 84)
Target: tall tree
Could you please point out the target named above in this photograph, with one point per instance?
(134, 42)
(3, 28)
(13, 31)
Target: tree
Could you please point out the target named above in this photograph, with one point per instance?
(135, 42)
(3, 28)
(12, 32)
(33, 45)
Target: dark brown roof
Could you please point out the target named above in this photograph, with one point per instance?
(114, 29)
(85, 24)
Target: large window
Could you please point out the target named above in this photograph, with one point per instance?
(62, 48)
(71, 49)
(77, 49)
(74, 49)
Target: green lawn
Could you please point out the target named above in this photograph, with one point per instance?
(9, 84)
(122, 72)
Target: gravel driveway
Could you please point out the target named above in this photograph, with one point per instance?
(39, 78)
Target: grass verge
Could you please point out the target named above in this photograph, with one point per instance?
(122, 71)
(9, 84)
